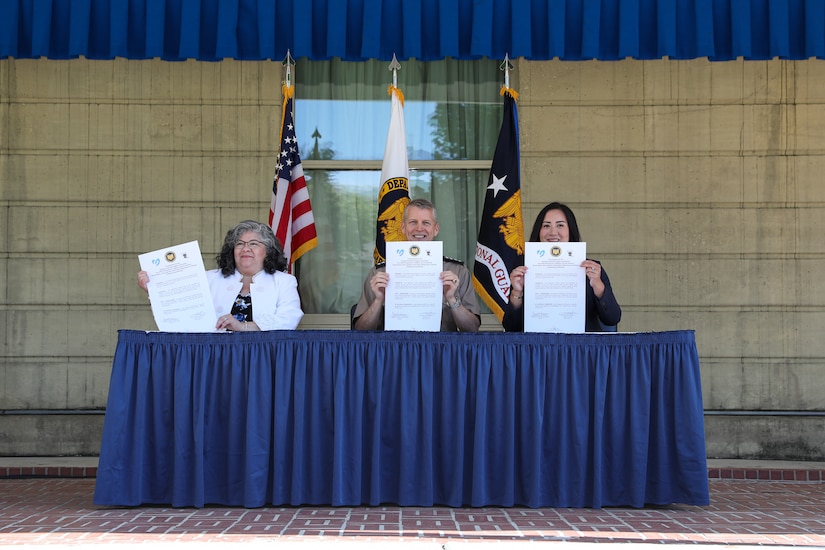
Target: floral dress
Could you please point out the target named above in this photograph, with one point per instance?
(242, 308)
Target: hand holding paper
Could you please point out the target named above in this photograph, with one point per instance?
(178, 289)
(554, 287)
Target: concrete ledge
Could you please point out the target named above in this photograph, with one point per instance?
(718, 469)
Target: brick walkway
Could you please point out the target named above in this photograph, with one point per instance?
(59, 511)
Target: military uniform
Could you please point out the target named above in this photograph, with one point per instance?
(464, 292)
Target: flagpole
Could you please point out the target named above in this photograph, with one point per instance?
(288, 62)
(394, 191)
(290, 211)
(394, 66)
(506, 66)
(500, 244)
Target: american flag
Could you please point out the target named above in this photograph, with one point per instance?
(290, 212)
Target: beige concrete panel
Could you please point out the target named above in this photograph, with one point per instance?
(759, 333)
(122, 127)
(588, 82)
(109, 126)
(769, 81)
(90, 280)
(766, 129)
(765, 179)
(98, 178)
(5, 65)
(30, 79)
(51, 435)
(37, 176)
(39, 126)
(39, 280)
(243, 81)
(808, 81)
(578, 129)
(714, 282)
(231, 128)
(654, 180)
(807, 222)
(78, 332)
(770, 437)
(660, 129)
(5, 135)
(698, 231)
(700, 81)
(685, 82)
(731, 384)
(717, 129)
(5, 289)
(176, 128)
(121, 229)
(184, 180)
(4, 239)
(183, 80)
(573, 180)
(695, 179)
(805, 175)
(67, 385)
(806, 128)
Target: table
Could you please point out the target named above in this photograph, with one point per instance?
(349, 418)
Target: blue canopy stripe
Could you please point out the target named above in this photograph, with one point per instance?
(355, 30)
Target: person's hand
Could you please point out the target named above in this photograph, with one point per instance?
(143, 280)
(593, 270)
(449, 280)
(517, 286)
(517, 279)
(378, 285)
(227, 322)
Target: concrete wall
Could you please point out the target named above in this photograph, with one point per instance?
(697, 184)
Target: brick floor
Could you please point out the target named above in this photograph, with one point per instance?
(56, 511)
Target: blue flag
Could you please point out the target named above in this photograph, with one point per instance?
(500, 245)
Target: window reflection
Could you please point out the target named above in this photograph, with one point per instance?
(452, 112)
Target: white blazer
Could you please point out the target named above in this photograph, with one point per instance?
(275, 301)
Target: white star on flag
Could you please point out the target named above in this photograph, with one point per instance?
(497, 185)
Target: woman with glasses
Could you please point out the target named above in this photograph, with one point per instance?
(250, 288)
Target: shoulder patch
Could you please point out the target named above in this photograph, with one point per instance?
(448, 259)
(381, 264)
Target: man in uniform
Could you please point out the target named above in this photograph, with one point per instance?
(460, 311)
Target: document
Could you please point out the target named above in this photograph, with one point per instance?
(414, 293)
(554, 291)
(178, 289)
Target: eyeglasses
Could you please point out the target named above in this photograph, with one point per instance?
(254, 245)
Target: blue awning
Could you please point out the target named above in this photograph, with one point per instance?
(353, 30)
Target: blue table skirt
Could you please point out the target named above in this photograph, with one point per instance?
(420, 419)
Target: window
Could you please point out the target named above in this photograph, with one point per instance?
(452, 113)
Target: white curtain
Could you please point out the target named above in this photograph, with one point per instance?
(452, 112)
